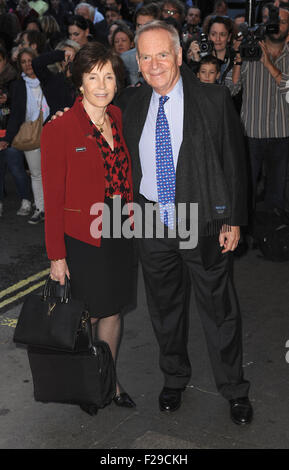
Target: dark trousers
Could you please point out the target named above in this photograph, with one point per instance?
(14, 159)
(274, 153)
(168, 273)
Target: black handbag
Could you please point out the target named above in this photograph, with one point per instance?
(52, 320)
(85, 377)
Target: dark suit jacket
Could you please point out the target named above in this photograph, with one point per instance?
(73, 177)
(211, 127)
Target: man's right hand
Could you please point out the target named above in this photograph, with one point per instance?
(59, 114)
(194, 51)
(58, 270)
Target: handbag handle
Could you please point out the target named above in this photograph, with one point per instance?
(91, 344)
(54, 289)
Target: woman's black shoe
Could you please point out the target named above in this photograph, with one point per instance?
(90, 409)
(123, 399)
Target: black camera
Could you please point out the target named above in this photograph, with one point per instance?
(252, 34)
(206, 46)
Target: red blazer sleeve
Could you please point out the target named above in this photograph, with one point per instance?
(53, 165)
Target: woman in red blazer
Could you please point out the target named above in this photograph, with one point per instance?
(85, 164)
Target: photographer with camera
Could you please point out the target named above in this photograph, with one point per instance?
(262, 71)
(217, 42)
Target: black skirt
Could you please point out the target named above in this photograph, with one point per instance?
(101, 276)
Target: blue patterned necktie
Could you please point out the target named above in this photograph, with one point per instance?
(165, 170)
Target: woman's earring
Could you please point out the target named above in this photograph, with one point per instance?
(81, 90)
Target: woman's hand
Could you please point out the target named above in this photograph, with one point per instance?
(3, 145)
(194, 51)
(68, 54)
(58, 270)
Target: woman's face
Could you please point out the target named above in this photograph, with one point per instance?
(26, 65)
(78, 35)
(2, 63)
(98, 86)
(111, 31)
(219, 35)
(122, 42)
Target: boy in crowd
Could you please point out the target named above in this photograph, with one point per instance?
(209, 69)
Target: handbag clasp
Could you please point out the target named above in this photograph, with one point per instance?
(51, 307)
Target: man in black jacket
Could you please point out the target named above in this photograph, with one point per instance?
(204, 156)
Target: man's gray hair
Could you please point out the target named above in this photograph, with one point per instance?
(157, 25)
(91, 9)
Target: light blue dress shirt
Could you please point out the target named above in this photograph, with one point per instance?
(174, 109)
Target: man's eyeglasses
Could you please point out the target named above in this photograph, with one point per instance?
(170, 12)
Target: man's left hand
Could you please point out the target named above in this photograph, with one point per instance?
(229, 240)
(265, 59)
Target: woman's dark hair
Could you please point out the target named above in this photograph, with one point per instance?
(225, 20)
(92, 54)
(30, 20)
(35, 37)
(82, 23)
(125, 30)
(79, 21)
(3, 53)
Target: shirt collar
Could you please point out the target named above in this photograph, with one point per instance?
(175, 93)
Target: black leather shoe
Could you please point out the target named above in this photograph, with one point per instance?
(123, 399)
(241, 410)
(170, 399)
(89, 409)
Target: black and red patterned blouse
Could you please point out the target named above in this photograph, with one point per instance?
(116, 163)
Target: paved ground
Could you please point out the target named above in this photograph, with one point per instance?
(203, 420)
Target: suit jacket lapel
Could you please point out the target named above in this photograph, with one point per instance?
(192, 129)
(141, 116)
(134, 123)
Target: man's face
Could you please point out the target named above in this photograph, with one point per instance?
(283, 27)
(193, 16)
(238, 21)
(55, 3)
(84, 11)
(169, 11)
(111, 16)
(158, 60)
(141, 20)
(222, 9)
(112, 3)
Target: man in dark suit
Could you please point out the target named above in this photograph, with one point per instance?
(203, 149)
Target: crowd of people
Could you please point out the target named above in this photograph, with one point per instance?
(92, 56)
(52, 32)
